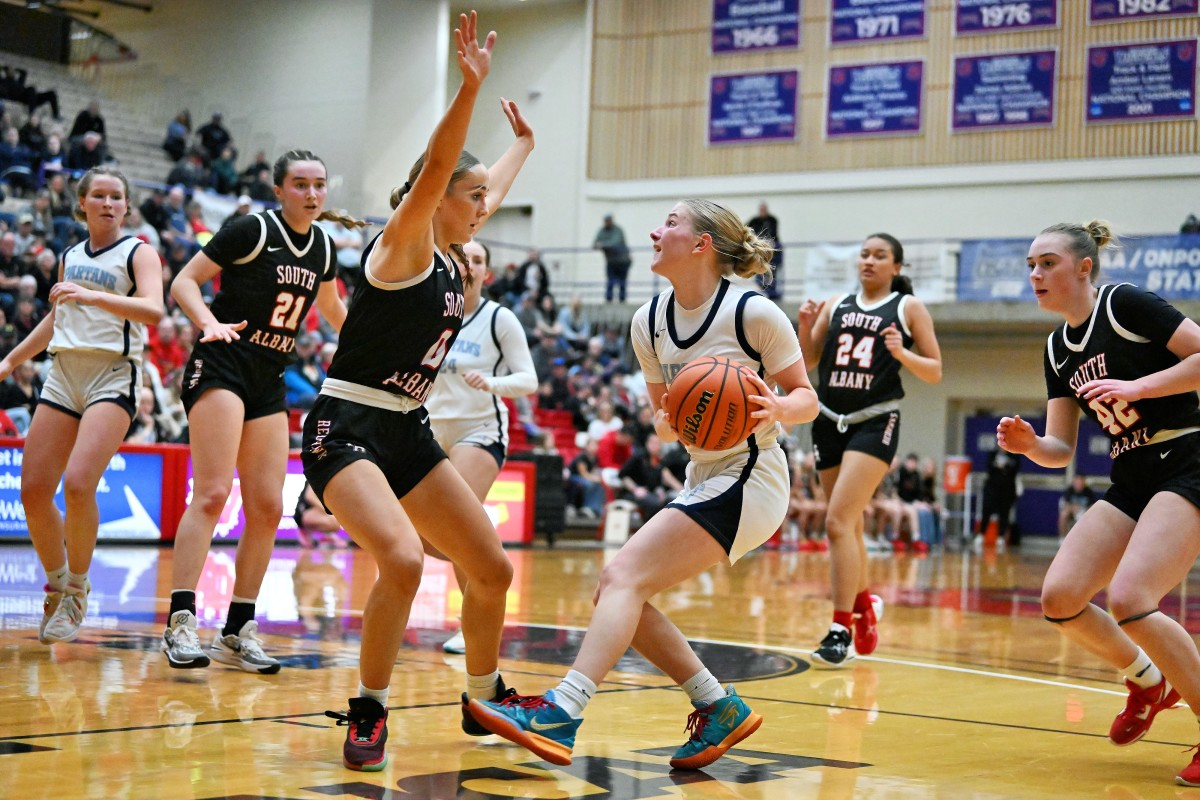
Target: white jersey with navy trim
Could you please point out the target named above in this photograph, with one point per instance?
(85, 327)
(735, 323)
(492, 343)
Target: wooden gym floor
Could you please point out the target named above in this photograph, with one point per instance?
(970, 694)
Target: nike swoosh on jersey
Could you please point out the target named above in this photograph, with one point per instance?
(1063, 364)
(546, 726)
(1164, 454)
(273, 249)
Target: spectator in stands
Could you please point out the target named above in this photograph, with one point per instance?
(25, 316)
(505, 289)
(154, 210)
(33, 137)
(348, 241)
(572, 321)
(61, 204)
(144, 428)
(547, 323)
(243, 208)
(19, 394)
(806, 505)
(213, 137)
(43, 220)
(645, 481)
(164, 349)
(198, 230)
(179, 130)
(189, 171)
(1078, 498)
(613, 449)
(10, 271)
(585, 486)
(766, 225)
(222, 176)
(17, 87)
(86, 153)
(8, 337)
(1190, 225)
(605, 420)
(303, 377)
(52, 161)
(528, 315)
(179, 252)
(533, 277)
(89, 120)
(177, 221)
(611, 240)
(908, 492)
(16, 163)
(251, 173)
(260, 187)
(547, 351)
(136, 226)
(999, 496)
(45, 272)
(24, 237)
(555, 391)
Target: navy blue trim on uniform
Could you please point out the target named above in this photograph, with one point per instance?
(475, 314)
(133, 383)
(123, 402)
(651, 322)
(88, 250)
(704, 326)
(739, 330)
(723, 512)
(496, 401)
(129, 268)
(57, 407)
(125, 336)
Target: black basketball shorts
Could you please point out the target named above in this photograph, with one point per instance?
(339, 432)
(878, 437)
(256, 380)
(1141, 473)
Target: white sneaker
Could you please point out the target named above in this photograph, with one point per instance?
(63, 624)
(244, 651)
(181, 644)
(455, 644)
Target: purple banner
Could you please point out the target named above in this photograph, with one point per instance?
(1126, 10)
(856, 21)
(740, 25)
(868, 99)
(997, 16)
(752, 107)
(1156, 80)
(1011, 90)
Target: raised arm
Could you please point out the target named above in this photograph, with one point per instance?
(406, 245)
(812, 323)
(502, 174)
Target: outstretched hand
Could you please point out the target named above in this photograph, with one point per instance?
(808, 312)
(1015, 435)
(520, 126)
(474, 60)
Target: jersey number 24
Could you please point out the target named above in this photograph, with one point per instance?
(847, 349)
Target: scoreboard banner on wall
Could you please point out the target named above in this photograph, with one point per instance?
(741, 25)
(1169, 266)
(1130, 10)
(874, 99)
(998, 16)
(862, 21)
(752, 107)
(1135, 82)
(1009, 90)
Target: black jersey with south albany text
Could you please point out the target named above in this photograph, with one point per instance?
(856, 369)
(396, 335)
(269, 277)
(1125, 338)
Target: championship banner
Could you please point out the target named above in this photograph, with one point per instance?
(1011, 90)
(873, 99)
(994, 16)
(1136, 82)
(832, 269)
(1130, 10)
(1169, 266)
(860, 21)
(753, 107)
(743, 25)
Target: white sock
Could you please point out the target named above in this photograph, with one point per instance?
(1142, 671)
(483, 687)
(248, 600)
(77, 580)
(57, 578)
(378, 695)
(703, 689)
(573, 694)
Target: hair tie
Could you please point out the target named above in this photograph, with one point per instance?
(407, 187)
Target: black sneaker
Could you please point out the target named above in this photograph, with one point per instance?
(366, 734)
(469, 725)
(836, 650)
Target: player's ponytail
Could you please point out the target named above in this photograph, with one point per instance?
(902, 284)
(1086, 241)
(739, 249)
(343, 218)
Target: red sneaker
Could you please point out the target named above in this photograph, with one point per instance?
(366, 735)
(1190, 775)
(866, 637)
(1140, 709)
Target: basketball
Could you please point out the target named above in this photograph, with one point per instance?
(708, 403)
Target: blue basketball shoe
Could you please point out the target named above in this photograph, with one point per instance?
(714, 729)
(534, 722)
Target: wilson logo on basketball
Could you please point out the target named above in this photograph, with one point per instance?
(691, 424)
(708, 403)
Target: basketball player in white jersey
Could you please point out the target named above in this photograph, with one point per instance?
(732, 502)
(109, 289)
(489, 361)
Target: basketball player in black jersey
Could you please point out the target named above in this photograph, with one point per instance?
(273, 265)
(368, 449)
(1131, 362)
(860, 342)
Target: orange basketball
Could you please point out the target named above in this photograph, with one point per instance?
(708, 405)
